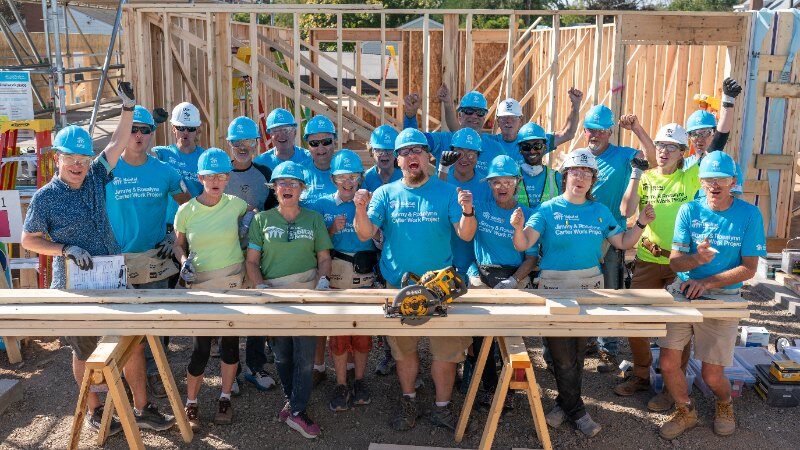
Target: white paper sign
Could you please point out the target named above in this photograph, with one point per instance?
(16, 97)
(10, 217)
(108, 272)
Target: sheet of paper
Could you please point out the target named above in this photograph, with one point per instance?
(109, 272)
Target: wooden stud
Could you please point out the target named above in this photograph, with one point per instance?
(774, 161)
(596, 62)
(468, 55)
(785, 90)
(617, 74)
(339, 99)
(449, 62)
(555, 47)
(426, 72)
(169, 96)
(296, 79)
(512, 35)
(254, 83)
(383, 70)
(212, 81)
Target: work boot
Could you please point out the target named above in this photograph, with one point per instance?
(587, 426)
(193, 415)
(555, 417)
(632, 385)
(224, 415)
(607, 363)
(442, 416)
(684, 418)
(661, 402)
(405, 417)
(724, 421)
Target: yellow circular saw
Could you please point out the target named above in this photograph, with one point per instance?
(424, 297)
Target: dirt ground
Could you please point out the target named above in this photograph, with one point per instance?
(42, 419)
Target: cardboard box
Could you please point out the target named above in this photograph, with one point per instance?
(754, 337)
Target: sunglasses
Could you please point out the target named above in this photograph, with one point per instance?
(527, 146)
(324, 142)
(189, 129)
(416, 150)
(476, 111)
(704, 133)
(142, 129)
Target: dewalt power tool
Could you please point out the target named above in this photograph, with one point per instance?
(424, 297)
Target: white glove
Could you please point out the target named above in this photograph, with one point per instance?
(165, 246)
(188, 273)
(263, 285)
(244, 223)
(508, 283)
(81, 257)
(323, 284)
(125, 91)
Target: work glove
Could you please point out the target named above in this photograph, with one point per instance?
(165, 247)
(323, 284)
(244, 223)
(188, 273)
(508, 283)
(638, 166)
(160, 115)
(730, 90)
(125, 91)
(448, 159)
(79, 256)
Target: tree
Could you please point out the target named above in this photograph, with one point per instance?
(703, 5)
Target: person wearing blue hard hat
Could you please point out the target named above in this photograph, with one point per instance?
(716, 245)
(381, 145)
(417, 216)
(320, 135)
(538, 182)
(289, 247)
(67, 220)
(282, 130)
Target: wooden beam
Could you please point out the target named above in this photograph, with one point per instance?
(168, 73)
(339, 50)
(426, 71)
(617, 74)
(596, 62)
(688, 30)
(356, 34)
(254, 53)
(555, 48)
(468, 55)
(512, 34)
(384, 72)
(784, 90)
(212, 82)
(296, 73)
(449, 63)
(777, 162)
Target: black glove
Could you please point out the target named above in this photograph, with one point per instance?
(160, 115)
(449, 158)
(639, 165)
(730, 90)
(126, 94)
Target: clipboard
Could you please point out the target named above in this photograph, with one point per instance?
(109, 272)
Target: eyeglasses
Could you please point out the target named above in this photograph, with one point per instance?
(417, 150)
(470, 111)
(287, 184)
(352, 178)
(702, 133)
(145, 129)
(580, 173)
(503, 182)
(316, 143)
(282, 130)
(528, 146)
(244, 143)
(189, 129)
(383, 151)
(721, 182)
(592, 131)
(217, 177)
(468, 154)
(670, 148)
(75, 160)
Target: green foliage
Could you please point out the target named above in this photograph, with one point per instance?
(702, 5)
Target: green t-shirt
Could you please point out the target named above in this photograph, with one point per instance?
(288, 249)
(666, 193)
(212, 231)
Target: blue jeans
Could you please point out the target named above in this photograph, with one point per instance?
(294, 360)
(152, 368)
(613, 278)
(254, 355)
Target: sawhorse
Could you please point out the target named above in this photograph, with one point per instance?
(13, 345)
(104, 367)
(515, 361)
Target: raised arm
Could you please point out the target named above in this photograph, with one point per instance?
(630, 200)
(122, 134)
(629, 238)
(364, 227)
(571, 126)
(466, 226)
(448, 109)
(524, 237)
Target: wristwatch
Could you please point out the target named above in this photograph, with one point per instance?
(128, 108)
(472, 214)
(640, 224)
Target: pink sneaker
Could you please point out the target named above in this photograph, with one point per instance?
(285, 412)
(303, 425)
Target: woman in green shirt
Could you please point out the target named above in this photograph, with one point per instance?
(289, 247)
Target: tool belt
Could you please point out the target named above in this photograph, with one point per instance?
(654, 249)
(146, 267)
(363, 262)
(491, 274)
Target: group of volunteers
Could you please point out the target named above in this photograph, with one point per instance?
(487, 204)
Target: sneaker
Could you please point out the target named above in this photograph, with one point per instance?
(193, 415)
(319, 377)
(386, 365)
(303, 424)
(608, 363)
(152, 419)
(555, 417)
(442, 416)
(661, 402)
(269, 354)
(405, 417)
(235, 391)
(96, 417)
(587, 426)
(632, 385)
(224, 415)
(340, 400)
(260, 379)
(156, 387)
(361, 395)
(724, 421)
(285, 412)
(684, 418)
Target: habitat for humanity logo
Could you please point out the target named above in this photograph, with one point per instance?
(275, 232)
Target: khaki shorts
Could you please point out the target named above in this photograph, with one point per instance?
(82, 346)
(443, 348)
(714, 339)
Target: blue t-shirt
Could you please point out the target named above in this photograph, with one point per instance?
(186, 165)
(417, 224)
(136, 202)
(271, 160)
(693, 160)
(74, 216)
(614, 173)
(534, 186)
(736, 232)
(318, 184)
(463, 251)
(571, 236)
(512, 148)
(373, 181)
(345, 240)
(493, 240)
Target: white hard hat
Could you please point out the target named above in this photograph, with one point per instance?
(185, 115)
(581, 157)
(672, 133)
(509, 107)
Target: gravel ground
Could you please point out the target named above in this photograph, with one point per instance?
(43, 418)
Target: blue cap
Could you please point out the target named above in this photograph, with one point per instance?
(319, 124)
(382, 138)
(503, 166)
(599, 117)
(279, 117)
(73, 139)
(288, 169)
(408, 138)
(700, 119)
(473, 99)
(717, 164)
(346, 161)
(531, 131)
(213, 161)
(242, 128)
(466, 138)
(142, 115)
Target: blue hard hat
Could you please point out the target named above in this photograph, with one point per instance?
(142, 115)
(319, 124)
(473, 99)
(73, 139)
(382, 138)
(503, 166)
(466, 138)
(288, 169)
(599, 117)
(213, 161)
(279, 117)
(531, 131)
(346, 161)
(242, 128)
(700, 119)
(716, 165)
(409, 137)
